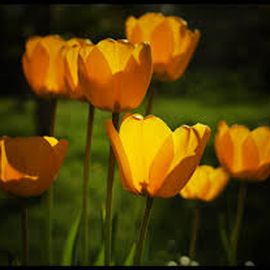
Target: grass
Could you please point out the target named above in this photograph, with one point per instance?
(170, 222)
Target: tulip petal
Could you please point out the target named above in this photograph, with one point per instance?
(55, 74)
(178, 177)
(71, 66)
(136, 77)
(205, 184)
(161, 43)
(7, 172)
(219, 179)
(238, 134)
(181, 59)
(133, 30)
(189, 144)
(30, 46)
(185, 143)
(19, 157)
(224, 146)
(96, 79)
(59, 147)
(179, 28)
(160, 165)
(204, 132)
(148, 23)
(250, 154)
(142, 139)
(198, 185)
(263, 172)
(35, 68)
(117, 53)
(261, 136)
(78, 42)
(119, 151)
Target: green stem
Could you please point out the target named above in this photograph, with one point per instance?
(223, 234)
(194, 231)
(108, 216)
(143, 230)
(53, 116)
(25, 233)
(90, 121)
(238, 222)
(50, 190)
(149, 105)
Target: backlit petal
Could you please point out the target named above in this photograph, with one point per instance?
(178, 177)
(178, 27)
(35, 68)
(189, 144)
(161, 43)
(198, 185)
(96, 79)
(161, 165)
(238, 135)
(133, 30)
(124, 167)
(250, 154)
(148, 23)
(261, 136)
(136, 77)
(142, 139)
(180, 61)
(117, 53)
(224, 146)
(219, 179)
(71, 66)
(54, 80)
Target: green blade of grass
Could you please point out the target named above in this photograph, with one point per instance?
(70, 242)
(100, 258)
(130, 257)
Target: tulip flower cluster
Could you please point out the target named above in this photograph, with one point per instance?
(153, 160)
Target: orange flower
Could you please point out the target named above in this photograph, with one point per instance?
(172, 43)
(115, 74)
(28, 166)
(70, 53)
(43, 65)
(152, 158)
(243, 153)
(205, 184)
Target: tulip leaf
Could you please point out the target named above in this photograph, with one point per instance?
(100, 258)
(130, 257)
(70, 241)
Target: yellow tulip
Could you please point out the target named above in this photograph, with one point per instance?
(43, 65)
(28, 166)
(70, 53)
(154, 160)
(243, 153)
(205, 184)
(115, 74)
(172, 43)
